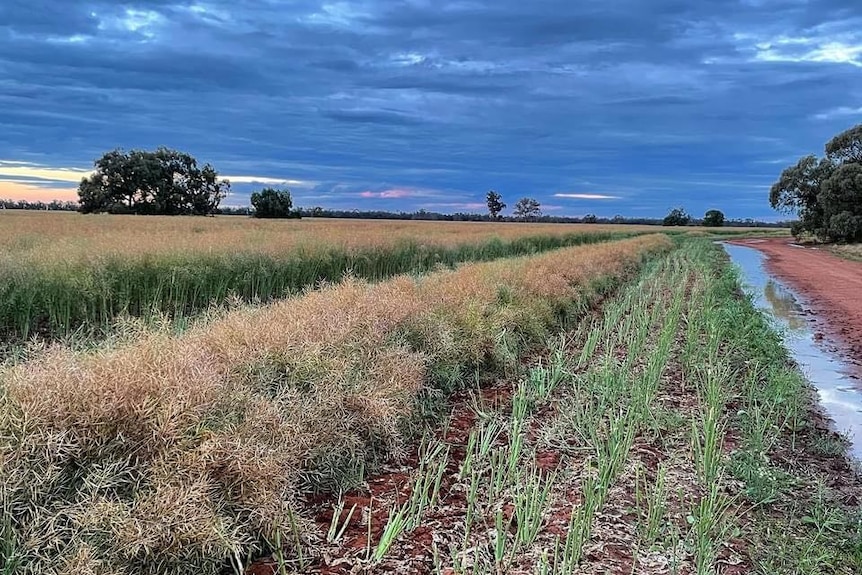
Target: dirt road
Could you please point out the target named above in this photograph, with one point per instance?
(830, 285)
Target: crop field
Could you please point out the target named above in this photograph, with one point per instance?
(542, 400)
(64, 236)
(64, 273)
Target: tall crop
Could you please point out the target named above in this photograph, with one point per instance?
(47, 290)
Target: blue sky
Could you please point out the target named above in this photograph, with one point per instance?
(609, 107)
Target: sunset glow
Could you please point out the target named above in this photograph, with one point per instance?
(10, 190)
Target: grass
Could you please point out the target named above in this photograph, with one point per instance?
(849, 251)
(179, 454)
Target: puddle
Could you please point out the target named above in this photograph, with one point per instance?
(839, 393)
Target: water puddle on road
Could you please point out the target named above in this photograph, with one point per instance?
(839, 392)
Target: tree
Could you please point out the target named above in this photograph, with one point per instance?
(797, 191)
(846, 147)
(495, 204)
(841, 201)
(161, 182)
(826, 194)
(713, 218)
(676, 217)
(590, 219)
(527, 208)
(272, 203)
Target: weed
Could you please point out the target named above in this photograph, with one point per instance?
(829, 445)
(764, 483)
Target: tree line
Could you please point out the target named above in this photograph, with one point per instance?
(53, 205)
(530, 209)
(426, 215)
(418, 215)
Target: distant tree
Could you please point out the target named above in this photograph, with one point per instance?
(713, 219)
(590, 219)
(618, 219)
(495, 204)
(53, 205)
(676, 217)
(527, 208)
(826, 194)
(272, 203)
(316, 211)
(161, 182)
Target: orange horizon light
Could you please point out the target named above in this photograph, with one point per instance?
(15, 191)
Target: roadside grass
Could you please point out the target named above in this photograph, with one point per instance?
(190, 453)
(849, 251)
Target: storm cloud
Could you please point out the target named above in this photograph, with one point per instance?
(612, 107)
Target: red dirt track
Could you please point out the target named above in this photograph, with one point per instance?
(831, 287)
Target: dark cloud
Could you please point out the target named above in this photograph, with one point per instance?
(660, 103)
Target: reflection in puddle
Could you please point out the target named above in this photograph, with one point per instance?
(784, 305)
(839, 394)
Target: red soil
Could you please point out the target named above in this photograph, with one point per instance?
(263, 567)
(548, 460)
(831, 287)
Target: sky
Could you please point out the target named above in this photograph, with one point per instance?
(609, 107)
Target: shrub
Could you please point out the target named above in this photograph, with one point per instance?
(676, 217)
(273, 203)
(713, 219)
(845, 227)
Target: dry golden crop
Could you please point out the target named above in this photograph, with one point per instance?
(69, 237)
